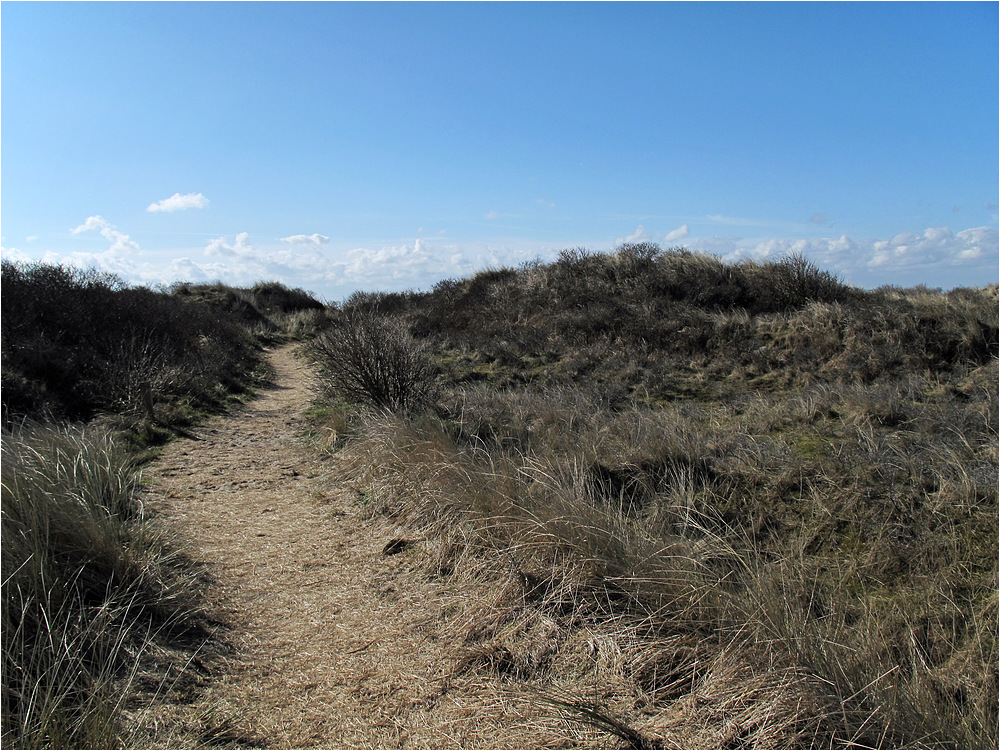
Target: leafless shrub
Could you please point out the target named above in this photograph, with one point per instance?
(372, 360)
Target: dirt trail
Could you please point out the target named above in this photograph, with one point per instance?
(334, 648)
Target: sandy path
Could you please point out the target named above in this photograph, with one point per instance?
(335, 648)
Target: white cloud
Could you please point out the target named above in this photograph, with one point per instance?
(907, 248)
(178, 202)
(419, 265)
(978, 241)
(492, 215)
(14, 254)
(935, 256)
(640, 235)
(93, 222)
(314, 240)
(240, 248)
(677, 234)
(187, 270)
(120, 242)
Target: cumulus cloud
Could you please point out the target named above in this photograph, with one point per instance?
(640, 235)
(394, 262)
(910, 247)
(120, 258)
(420, 264)
(188, 270)
(120, 242)
(239, 261)
(937, 256)
(315, 240)
(92, 223)
(976, 242)
(677, 234)
(241, 247)
(178, 202)
(935, 245)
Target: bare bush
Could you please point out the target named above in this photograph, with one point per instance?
(373, 360)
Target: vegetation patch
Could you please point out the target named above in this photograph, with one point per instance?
(78, 344)
(705, 504)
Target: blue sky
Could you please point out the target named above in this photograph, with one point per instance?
(342, 146)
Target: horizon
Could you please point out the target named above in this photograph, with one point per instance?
(337, 147)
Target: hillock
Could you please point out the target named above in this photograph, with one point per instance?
(768, 497)
(667, 324)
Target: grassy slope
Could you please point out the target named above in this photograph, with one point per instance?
(769, 498)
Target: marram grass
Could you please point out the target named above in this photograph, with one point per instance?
(88, 585)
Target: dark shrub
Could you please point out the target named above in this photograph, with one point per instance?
(792, 282)
(377, 302)
(274, 296)
(370, 359)
(78, 343)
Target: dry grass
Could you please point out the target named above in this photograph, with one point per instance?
(795, 567)
(94, 595)
(663, 501)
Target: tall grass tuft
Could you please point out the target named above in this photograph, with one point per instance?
(88, 585)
